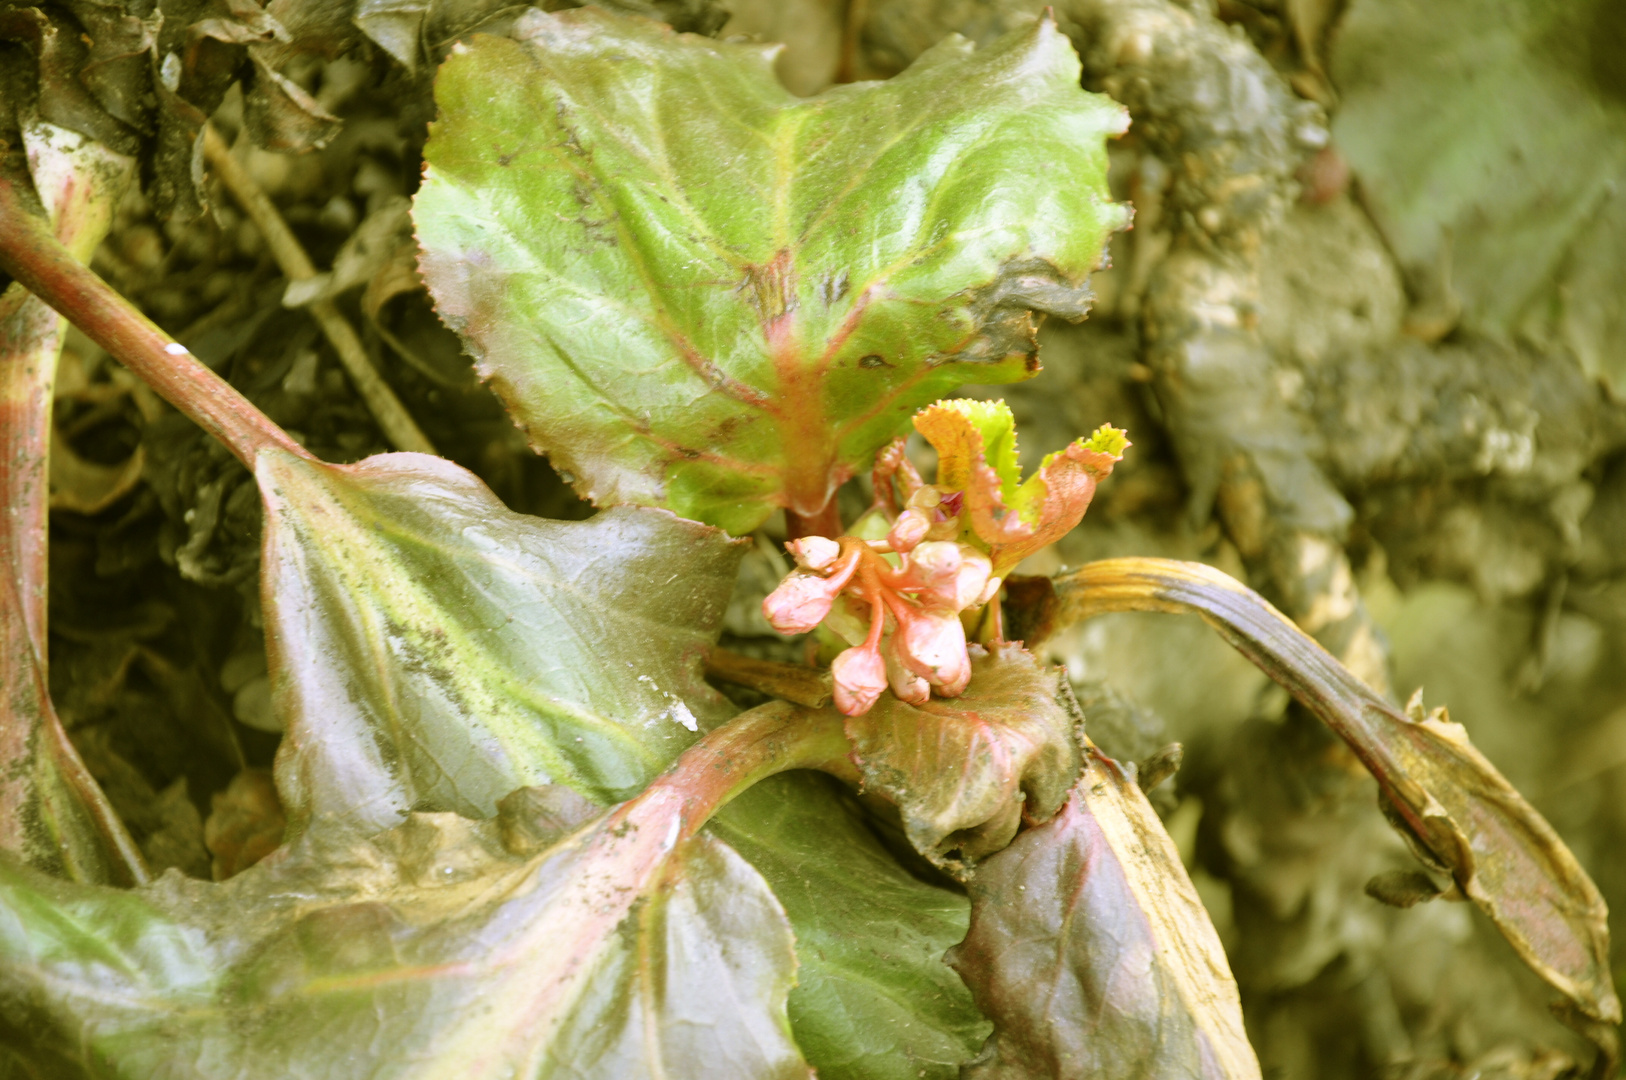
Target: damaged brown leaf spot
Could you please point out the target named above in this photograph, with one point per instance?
(1091, 951)
(966, 771)
(1502, 853)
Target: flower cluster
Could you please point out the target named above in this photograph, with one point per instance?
(898, 601)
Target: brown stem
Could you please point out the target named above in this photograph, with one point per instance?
(31, 254)
(392, 416)
(827, 522)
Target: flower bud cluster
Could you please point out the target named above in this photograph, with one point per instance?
(953, 542)
(912, 640)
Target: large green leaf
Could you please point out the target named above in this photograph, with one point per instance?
(444, 948)
(415, 623)
(1490, 142)
(434, 650)
(873, 999)
(697, 291)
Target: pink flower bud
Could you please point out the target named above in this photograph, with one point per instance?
(909, 530)
(814, 552)
(933, 646)
(933, 565)
(989, 591)
(860, 676)
(800, 602)
(906, 685)
(971, 580)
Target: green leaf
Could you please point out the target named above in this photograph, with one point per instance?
(965, 771)
(444, 948)
(873, 999)
(431, 649)
(1490, 143)
(1092, 953)
(697, 291)
(416, 620)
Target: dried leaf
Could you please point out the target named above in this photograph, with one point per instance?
(965, 772)
(1502, 853)
(700, 292)
(245, 823)
(1092, 953)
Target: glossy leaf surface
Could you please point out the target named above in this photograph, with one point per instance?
(1448, 797)
(698, 291)
(429, 951)
(438, 618)
(1090, 950)
(965, 771)
(873, 998)
(434, 650)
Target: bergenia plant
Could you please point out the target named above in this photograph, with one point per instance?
(524, 837)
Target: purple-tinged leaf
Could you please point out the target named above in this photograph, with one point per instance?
(698, 291)
(551, 941)
(1091, 951)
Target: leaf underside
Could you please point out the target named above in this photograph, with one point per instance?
(698, 291)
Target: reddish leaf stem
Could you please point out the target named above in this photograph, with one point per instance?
(30, 253)
(755, 745)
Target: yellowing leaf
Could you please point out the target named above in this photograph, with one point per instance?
(976, 453)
